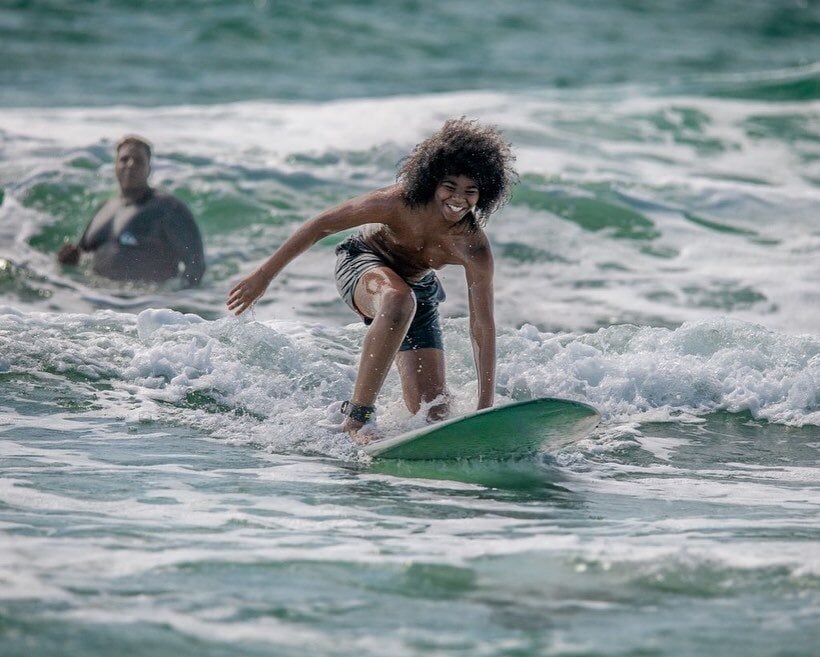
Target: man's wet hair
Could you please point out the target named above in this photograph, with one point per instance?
(463, 147)
(134, 139)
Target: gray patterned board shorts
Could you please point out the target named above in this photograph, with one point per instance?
(354, 258)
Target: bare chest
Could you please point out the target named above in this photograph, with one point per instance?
(412, 255)
(433, 253)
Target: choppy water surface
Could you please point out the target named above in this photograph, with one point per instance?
(171, 480)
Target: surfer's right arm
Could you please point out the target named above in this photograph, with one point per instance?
(375, 207)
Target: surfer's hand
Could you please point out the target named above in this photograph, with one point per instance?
(243, 295)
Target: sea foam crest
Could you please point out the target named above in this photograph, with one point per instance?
(280, 383)
(656, 373)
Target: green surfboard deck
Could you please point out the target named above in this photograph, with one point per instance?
(510, 432)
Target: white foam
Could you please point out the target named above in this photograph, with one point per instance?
(279, 384)
(723, 491)
(628, 371)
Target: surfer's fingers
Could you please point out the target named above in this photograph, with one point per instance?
(237, 303)
(239, 293)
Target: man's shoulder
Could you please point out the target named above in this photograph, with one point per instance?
(106, 209)
(112, 202)
(169, 203)
(165, 197)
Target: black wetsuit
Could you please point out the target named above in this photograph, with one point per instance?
(152, 239)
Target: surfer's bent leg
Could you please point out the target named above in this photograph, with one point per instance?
(384, 297)
(423, 381)
(385, 300)
(420, 360)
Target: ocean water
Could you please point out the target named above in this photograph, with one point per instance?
(170, 478)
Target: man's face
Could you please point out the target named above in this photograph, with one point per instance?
(132, 168)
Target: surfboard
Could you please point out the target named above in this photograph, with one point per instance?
(501, 433)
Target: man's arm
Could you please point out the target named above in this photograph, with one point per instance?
(69, 254)
(183, 234)
(479, 272)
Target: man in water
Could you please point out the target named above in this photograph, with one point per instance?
(141, 234)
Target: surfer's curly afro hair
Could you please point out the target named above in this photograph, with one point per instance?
(462, 147)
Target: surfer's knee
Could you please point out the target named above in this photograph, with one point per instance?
(397, 306)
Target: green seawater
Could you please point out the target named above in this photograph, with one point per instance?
(57, 52)
(146, 540)
(173, 484)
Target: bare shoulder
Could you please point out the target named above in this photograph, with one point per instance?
(382, 199)
(382, 205)
(386, 202)
(474, 247)
(111, 205)
(473, 252)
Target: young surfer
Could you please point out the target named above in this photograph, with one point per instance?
(432, 216)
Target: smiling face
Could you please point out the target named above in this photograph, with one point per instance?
(132, 168)
(456, 196)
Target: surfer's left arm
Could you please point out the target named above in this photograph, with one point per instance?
(479, 272)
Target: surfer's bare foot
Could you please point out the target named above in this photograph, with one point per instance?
(361, 434)
(438, 412)
(359, 424)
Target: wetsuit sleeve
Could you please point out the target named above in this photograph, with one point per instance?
(184, 237)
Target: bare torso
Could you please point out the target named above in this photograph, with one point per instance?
(415, 240)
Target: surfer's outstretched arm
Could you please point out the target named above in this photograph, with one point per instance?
(374, 207)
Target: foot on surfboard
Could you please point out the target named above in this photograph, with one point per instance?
(359, 423)
(363, 434)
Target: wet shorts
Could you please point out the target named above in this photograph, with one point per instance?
(354, 258)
